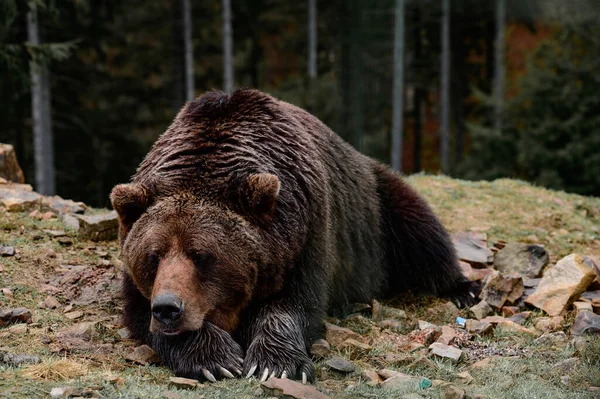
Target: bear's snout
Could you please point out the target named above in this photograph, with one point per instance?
(167, 308)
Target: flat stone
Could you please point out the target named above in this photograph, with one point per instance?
(387, 373)
(77, 314)
(465, 377)
(499, 289)
(479, 327)
(55, 233)
(510, 311)
(423, 325)
(17, 198)
(339, 364)
(448, 336)
(525, 259)
(548, 324)
(563, 284)
(18, 329)
(590, 296)
(336, 335)
(17, 360)
(398, 359)
(520, 317)
(371, 377)
(473, 274)
(16, 315)
(103, 227)
(51, 302)
(9, 166)
(580, 306)
(586, 323)
(124, 333)
(291, 389)
(445, 351)
(511, 326)
(181, 382)
(472, 248)
(7, 250)
(558, 338)
(62, 206)
(65, 392)
(83, 330)
(320, 349)
(450, 391)
(70, 221)
(481, 310)
(143, 355)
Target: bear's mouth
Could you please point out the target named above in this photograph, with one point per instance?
(171, 333)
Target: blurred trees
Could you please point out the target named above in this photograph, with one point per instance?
(122, 77)
(550, 132)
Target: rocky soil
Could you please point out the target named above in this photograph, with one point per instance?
(534, 332)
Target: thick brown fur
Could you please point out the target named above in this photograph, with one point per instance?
(262, 219)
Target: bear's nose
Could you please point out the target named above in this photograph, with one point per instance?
(167, 308)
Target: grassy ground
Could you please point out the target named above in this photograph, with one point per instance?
(87, 277)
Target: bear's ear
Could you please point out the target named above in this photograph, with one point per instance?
(130, 201)
(259, 195)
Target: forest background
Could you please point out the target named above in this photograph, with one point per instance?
(475, 89)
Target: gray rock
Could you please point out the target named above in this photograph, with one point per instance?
(525, 259)
(481, 310)
(7, 251)
(472, 248)
(70, 221)
(16, 315)
(500, 289)
(288, 388)
(62, 206)
(445, 351)
(586, 323)
(19, 198)
(16, 360)
(320, 348)
(552, 338)
(103, 227)
(341, 365)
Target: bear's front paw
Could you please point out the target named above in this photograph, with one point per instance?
(267, 358)
(207, 354)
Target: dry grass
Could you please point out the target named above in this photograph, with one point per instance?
(55, 370)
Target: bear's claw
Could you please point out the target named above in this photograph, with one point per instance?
(209, 376)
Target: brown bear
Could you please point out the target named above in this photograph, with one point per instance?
(248, 220)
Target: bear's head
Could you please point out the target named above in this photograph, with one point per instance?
(193, 257)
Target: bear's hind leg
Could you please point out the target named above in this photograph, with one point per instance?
(420, 254)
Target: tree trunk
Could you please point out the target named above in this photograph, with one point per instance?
(189, 51)
(40, 108)
(178, 54)
(445, 87)
(312, 39)
(356, 74)
(227, 47)
(499, 65)
(419, 93)
(398, 87)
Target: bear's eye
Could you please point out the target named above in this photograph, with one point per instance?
(202, 260)
(153, 259)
